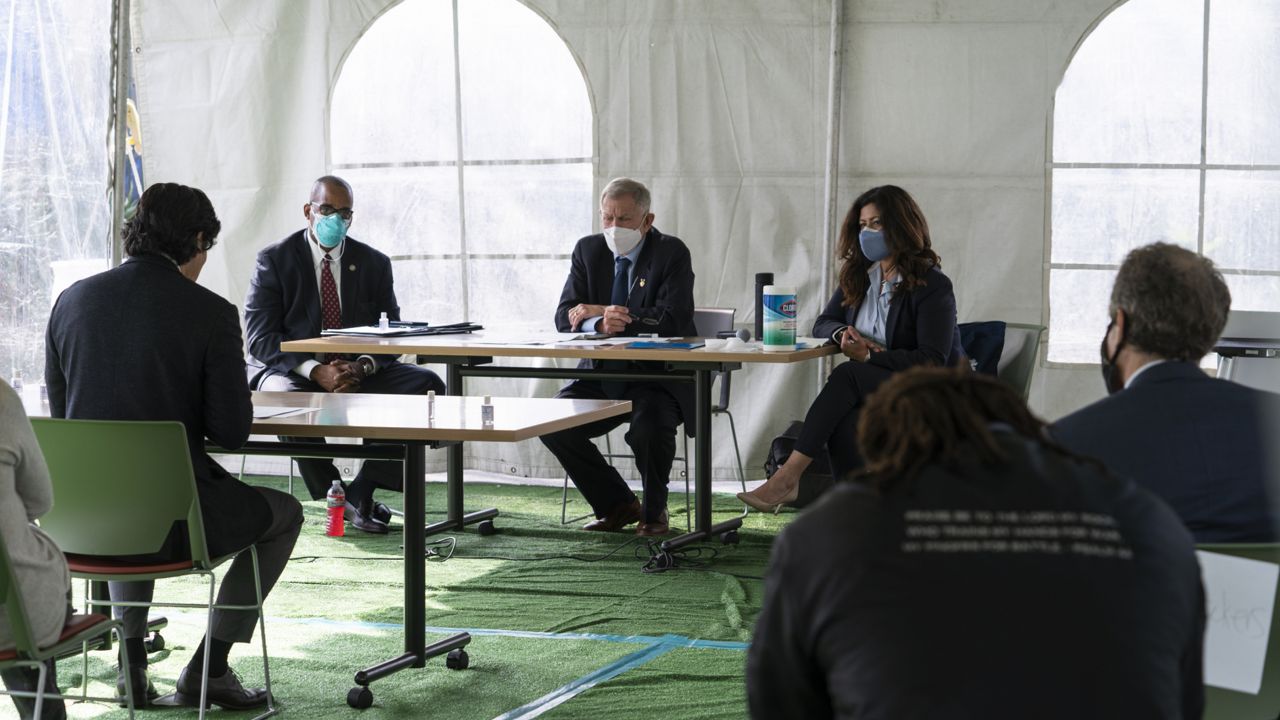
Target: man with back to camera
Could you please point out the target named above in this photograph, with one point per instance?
(143, 341)
(1201, 444)
(627, 280)
(315, 279)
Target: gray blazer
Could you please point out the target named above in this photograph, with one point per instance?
(38, 564)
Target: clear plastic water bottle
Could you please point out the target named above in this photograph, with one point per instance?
(431, 405)
(16, 382)
(384, 323)
(486, 412)
(336, 503)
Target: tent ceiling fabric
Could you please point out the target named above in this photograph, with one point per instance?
(720, 106)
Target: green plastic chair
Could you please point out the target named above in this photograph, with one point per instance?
(1223, 704)
(121, 487)
(25, 653)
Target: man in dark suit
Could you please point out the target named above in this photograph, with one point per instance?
(143, 341)
(1200, 443)
(630, 279)
(313, 280)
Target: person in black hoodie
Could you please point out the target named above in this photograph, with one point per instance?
(977, 570)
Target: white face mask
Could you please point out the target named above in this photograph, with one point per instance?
(621, 240)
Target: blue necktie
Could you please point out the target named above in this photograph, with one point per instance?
(613, 388)
(621, 286)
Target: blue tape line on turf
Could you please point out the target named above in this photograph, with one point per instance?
(675, 640)
(567, 692)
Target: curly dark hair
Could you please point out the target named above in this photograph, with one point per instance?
(167, 221)
(1175, 302)
(905, 231)
(925, 416)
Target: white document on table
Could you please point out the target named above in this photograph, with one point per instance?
(1240, 595)
(262, 412)
(513, 339)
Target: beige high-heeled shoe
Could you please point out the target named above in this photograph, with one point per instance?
(759, 503)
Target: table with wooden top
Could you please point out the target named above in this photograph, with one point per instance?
(403, 428)
(404, 421)
(472, 355)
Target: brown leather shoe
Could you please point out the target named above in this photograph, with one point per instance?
(618, 518)
(655, 528)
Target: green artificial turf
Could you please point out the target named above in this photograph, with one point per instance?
(339, 604)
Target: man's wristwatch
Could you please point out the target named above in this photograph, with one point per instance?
(366, 365)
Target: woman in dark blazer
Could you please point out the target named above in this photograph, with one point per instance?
(894, 310)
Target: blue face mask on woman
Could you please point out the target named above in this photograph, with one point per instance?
(330, 230)
(873, 244)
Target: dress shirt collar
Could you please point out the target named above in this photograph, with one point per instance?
(1141, 370)
(876, 275)
(317, 252)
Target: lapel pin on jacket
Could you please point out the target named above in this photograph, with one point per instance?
(352, 268)
(641, 282)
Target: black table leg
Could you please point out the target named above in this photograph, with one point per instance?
(702, 528)
(416, 653)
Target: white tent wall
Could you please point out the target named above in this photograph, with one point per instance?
(719, 105)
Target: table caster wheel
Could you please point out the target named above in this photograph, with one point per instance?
(360, 698)
(155, 643)
(486, 528)
(457, 660)
(729, 538)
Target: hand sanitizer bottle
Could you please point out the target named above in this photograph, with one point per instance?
(486, 412)
(384, 323)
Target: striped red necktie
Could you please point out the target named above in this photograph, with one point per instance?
(330, 306)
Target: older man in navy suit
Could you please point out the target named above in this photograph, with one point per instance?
(1205, 446)
(630, 279)
(315, 279)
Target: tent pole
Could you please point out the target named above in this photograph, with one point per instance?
(120, 96)
(831, 183)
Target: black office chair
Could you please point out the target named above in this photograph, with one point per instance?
(709, 323)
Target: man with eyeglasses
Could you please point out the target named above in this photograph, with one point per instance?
(315, 279)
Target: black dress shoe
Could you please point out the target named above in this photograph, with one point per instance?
(360, 521)
(618, 518)
(144, 693)
(654, 528)
(381, 513)
(225, 692)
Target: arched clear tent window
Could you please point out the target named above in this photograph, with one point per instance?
(475, 180)
(1165, 129)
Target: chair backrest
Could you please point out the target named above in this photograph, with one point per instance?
(709, 322)
(1018, 360)
(14, 609)
(1224, 704)
(119, 487)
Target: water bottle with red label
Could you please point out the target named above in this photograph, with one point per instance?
(336, 503)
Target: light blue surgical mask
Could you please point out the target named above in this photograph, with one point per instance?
(873, 244)
(329, 230)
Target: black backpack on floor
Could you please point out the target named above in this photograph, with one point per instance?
(816, 478)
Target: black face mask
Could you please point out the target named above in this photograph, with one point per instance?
(1110, 373)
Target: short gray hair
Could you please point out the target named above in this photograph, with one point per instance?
(618, 187)
(1175, 302)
